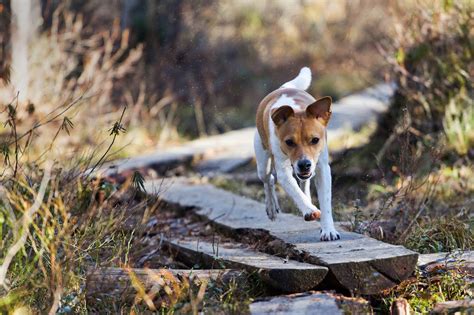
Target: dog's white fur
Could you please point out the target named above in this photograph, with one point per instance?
(284, 171)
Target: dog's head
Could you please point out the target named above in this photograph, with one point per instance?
(302, 134)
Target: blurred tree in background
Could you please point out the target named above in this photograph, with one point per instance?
(4, 41)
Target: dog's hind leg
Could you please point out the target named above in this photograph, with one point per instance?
(272, 181)
(264, 171)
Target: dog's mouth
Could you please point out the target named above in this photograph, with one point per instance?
(303, 176)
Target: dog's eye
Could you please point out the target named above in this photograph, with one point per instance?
(314, 140)
(290, 143)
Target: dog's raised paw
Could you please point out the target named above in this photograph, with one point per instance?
(312, 216)
(329, 235)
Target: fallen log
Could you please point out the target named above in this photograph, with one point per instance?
(310, 303)
(356, 262)
(282, 274)
(128, 284)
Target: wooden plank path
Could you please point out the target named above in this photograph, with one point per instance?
(226, 152)
(221, 153)
(356, 262)
(122, 284)
(454, 307)
(310, 303)
(359, 109)
(285, 275)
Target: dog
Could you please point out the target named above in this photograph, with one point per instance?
(291, 147)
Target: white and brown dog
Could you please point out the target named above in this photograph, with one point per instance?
(291, 141)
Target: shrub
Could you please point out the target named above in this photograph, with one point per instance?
(433, 66)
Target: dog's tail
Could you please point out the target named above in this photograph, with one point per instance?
(302, 81)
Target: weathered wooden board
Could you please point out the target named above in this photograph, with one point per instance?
(454, 307)
(286, 275)
(465, 260)
(118, 283)
(160, 162)
(222, 165)
(220, 153)
(310, 303)
(356, 262)
(354, 111)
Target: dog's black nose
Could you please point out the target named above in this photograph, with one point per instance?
(304, 165)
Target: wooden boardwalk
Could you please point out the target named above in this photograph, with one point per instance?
(122, 283)
(282, 274)
(356, 262)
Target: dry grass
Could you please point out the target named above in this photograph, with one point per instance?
(89, 71)
(66, 225)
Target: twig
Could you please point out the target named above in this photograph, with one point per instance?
(40, 124)
(115, 132)
(11, 213)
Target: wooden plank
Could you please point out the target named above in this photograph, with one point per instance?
(235, 145)
(222, 165)
(310, 303)
(454, 307)
(160, 162)
(354, 111)
(460, 259)
(286, 275)
(117, 284)
(356, 262)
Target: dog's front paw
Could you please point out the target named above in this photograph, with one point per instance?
(329, 234)
(313, 214)
(272, 210)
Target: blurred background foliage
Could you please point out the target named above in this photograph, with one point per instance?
(190, 68)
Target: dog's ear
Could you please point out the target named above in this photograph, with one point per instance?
(281, 114)
(321, 110)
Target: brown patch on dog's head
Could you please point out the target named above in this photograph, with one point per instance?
(302, 133)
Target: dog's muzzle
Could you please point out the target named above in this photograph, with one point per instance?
(303, 169)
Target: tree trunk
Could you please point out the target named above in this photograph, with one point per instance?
(25, 20)
(4, 40)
